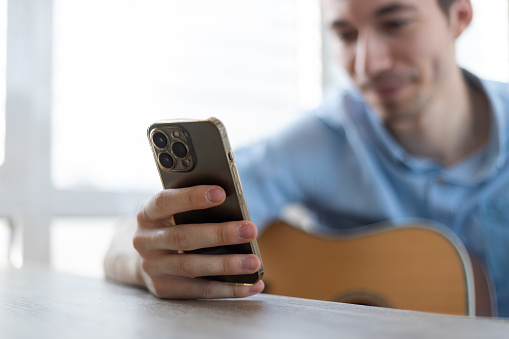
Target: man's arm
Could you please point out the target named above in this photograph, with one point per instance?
(158, 262)
(122, 262)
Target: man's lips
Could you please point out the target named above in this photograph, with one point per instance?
(388, 92)
(386, 88)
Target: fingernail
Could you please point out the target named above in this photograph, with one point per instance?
(246, 232)
(214, 195)
(249, 263)
(257, 288)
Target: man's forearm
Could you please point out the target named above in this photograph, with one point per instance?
(122, 262)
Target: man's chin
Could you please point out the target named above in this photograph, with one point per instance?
(391, 102)
(392, 112)
(384, 107)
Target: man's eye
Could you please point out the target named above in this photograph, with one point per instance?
(347, 36)
(395, 24)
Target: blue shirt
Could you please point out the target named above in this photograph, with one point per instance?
(341, 163)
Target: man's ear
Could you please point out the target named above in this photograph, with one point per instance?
(460, 15)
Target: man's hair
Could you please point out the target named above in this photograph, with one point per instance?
(445, 5)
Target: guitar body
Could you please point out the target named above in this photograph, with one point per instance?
(413, 267)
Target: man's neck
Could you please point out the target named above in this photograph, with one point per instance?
(451, 128)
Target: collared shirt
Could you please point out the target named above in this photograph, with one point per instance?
(342, 164)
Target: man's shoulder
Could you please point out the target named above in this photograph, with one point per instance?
(496, 87)
(339, 106)
(497, 93)
(338, 110)
(325, 124)
(495, 90)
(498, 97)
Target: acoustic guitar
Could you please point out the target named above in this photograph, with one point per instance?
(413, 267)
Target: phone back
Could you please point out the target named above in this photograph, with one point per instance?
(197, 152)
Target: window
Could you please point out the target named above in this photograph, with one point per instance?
(119, 66)
(487, 38)
(85, 79)
(3, 61)
(78, 244)
(5, 236)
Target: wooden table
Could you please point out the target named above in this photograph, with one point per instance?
(38, 303)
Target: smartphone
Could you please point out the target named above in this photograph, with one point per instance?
(197, 152)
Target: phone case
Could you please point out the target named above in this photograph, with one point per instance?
(197, 152)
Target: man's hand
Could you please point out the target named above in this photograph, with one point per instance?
(166, 271)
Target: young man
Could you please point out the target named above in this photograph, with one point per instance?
(415, 136)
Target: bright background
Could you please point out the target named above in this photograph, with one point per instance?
(115, 66)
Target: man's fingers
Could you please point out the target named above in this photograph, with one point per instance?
(172, 201)
(169, 274)
(191, 237)
(171, 287)
(201, 265)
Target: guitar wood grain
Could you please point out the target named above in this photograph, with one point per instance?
(410, 267)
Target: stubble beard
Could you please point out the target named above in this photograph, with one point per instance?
(401, 109)
(397, 114)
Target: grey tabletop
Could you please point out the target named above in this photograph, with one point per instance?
(36, 302)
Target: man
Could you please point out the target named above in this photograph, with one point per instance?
(415, 137)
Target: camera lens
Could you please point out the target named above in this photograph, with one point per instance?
(166, 160)
(179, 149)
(160, 140)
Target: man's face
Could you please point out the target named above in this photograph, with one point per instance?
(398, 52)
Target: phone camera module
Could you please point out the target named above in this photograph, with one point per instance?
(179, 149)
(166, 160)
(160, 140)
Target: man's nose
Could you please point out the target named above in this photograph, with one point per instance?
(372, 56)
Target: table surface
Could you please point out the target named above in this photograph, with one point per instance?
(36, 302)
